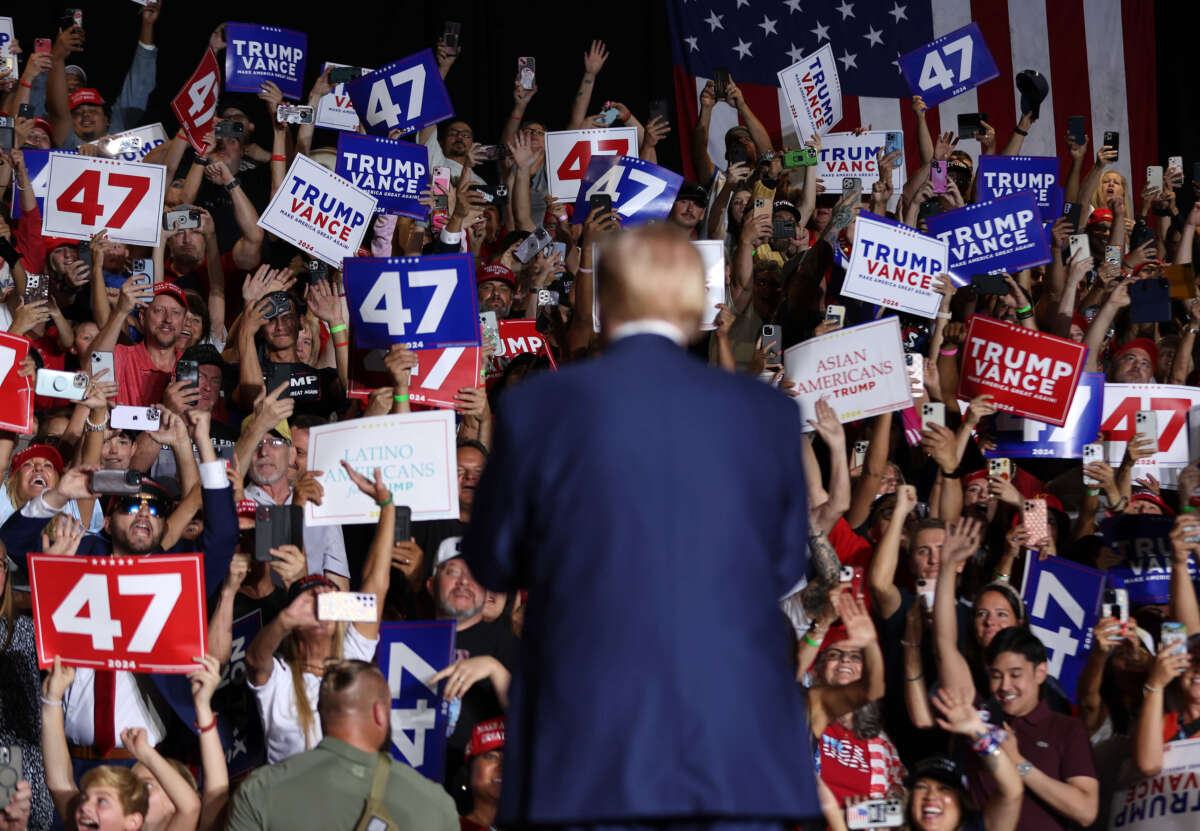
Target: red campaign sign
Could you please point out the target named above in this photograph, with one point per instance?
(440, 373)
(16, 393)
(1029, 373)
(196, 103)
(517, 337)
(141, 614)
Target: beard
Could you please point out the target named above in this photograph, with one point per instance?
(447, 609)
(121, 538)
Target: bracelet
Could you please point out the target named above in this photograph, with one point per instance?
(1025, 310)
(385, 502)
(341, 327)
(400, 399)
(205, 729)
(916, 677)
(989, 743)
(584, 270)
(1187, 509)
(233, 185)
(949, 353)
(909, 643)
(808, 640)
(1121, 505)
(24, 84)
(95, 428)
(1145, 688)
(275, 157)
(203, 161)
(50, 702)
(339, 344)
(944, 315)
(954, 474)
(1019, 131)
(514, 117)
(1003, 578)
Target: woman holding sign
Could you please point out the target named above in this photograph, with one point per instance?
(286, 684)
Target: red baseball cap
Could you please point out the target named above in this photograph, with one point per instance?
(487, 735)
(1145, 344)
(34, 451)
(57, 242)
(1100, 215)
(1151, 496)
(495, 271)
(85, 95)
(43, 124)
(173, 290)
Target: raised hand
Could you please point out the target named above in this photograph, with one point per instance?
(594, 58)
(375, 487)
(962, 540)
(860, 631)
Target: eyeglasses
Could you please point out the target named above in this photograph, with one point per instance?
(133, 503)
(459, 134)
(533, 131)
(273, 442)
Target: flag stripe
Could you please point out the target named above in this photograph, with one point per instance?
(995, 97)
(1069, 63)
(1031, 50)
(686, 111)
(1137, 26)
(1102, 23)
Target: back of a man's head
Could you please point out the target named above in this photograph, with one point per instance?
(651, 273)
(350, 693)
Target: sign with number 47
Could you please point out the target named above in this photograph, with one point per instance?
(949, 66)
(405, 95)
(85, 195)
(93, 611)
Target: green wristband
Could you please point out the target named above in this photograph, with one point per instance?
(808, 640)
(341, 327)
(1025, 310)
(1187, 509)
(400, 399)
(386, 502)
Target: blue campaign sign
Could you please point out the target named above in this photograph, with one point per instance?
(254, 54)
(405, 95)
(949, 66)
(409, 654)
(240, 725)
(392, 171)
(986, 237)
(386, 295)
(1024, 438)
(1144, 542)
(1005, 175)
(641, 192)
(1062, 599)
(37, 162)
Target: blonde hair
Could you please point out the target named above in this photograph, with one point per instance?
(131, 791)
(293, 656)
(1098, 196)
(651, 273)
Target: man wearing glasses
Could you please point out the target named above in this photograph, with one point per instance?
(457, 140)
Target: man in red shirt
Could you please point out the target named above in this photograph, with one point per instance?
(144, 369)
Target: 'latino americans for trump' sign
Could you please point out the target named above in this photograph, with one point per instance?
(893, 265)
(814, 92)
(1027, 372)
(1002, 235)
(1001, 176)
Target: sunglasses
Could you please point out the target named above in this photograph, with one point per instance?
(133, 503)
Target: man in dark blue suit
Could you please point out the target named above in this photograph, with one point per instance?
(655, 510)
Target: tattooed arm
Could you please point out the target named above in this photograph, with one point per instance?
(826, 571)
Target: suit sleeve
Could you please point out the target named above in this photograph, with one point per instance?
(492, 543)
(793, 563)
(220, 527)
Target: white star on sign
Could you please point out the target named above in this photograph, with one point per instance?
(846, 9)
(692, 43)
(822, 32)
(714, 20)
(794, 5)
(741, 3)
(795, 53)
(768, 26)
(899, 12)
(848, 60)
(743, 49)
(873, 35)
(899, 70)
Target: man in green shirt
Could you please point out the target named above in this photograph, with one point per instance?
(329, 786)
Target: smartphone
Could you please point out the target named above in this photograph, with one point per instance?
(229, 129)
(721, 81)
(933, 412)
(281, 304)
(403, 532)
(276, 525)
(608, 116)
(441, 189)
(1112, 254)
(1093, 452)
(101, 361)
(526, 72)
(344, 74)
(989, 284)
(854, 576)
(134, 418)
(1037, 524)
(492, 152)
(851, 184)
(914, 365)
(796, 157)
(1115, 604)
(1112, 140)
(7, 133)
(451, 32)
(599, 203)
(1174, 163)
(1154, 176)
(188, 372)
(1071, 212)
(1076, 129)
(532, 244)
(37, 287)
(1146, 425)
(970, 125)
(860, 453)
(937, 175)
(836, 314)
(181, 219)
(83, 252)
(925, 591)
(761, 206)
(893, 141)
(42, 46)
(783, 229)
(1140, 235)
(116, 481)
(770, 344)
(1175, 634)
(25, 111)
(1079, 245)
(11, 773)
(741, 154)
(875, 813)
(55, 383)
(295, 114)
(353, 607)
(660, 109)
(1000, 468)
(490, 330)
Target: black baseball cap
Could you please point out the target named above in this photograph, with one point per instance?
(939, 768)
(693, 192)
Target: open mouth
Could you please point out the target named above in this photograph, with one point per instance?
(85, 822)
(141, 527)
(930, 812)
(40, 481)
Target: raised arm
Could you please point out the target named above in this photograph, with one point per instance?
(762, 141)
(134, 294)
(182, 795)
(957, 715)
(1148, 731)
(378, 570)
(873, 469)
(247, 250)
(962, 539)
(1183, 606)
(830, 429)
(593, 62)
(699, 146)
(60, 777)
(881, 574)
(830, 703)
(212, 756)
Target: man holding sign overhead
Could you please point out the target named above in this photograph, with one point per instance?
(619, 460)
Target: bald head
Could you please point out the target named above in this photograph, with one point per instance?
(355, 704)
(651, 273)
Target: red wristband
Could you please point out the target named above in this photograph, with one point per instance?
(343, 343)
(27, 86)
(196, 724)
(278, 158)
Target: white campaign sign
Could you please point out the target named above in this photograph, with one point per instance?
(569, 151)
(712, 251)
(859, 371)
(415, 453)
(1171, 404)
(813, 92)
(85, 195)
(6, 36)
(334, 110)
(895, 266)
(319, 211)
(149, 137)
(845, 154)
(1167, 801)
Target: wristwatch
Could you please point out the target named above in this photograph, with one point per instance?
(1023, 768)
(233, 185)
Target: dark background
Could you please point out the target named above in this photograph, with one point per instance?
(494, 35)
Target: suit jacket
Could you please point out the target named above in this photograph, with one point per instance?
(655, 510)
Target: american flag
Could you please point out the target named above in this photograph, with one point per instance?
(1098, 56)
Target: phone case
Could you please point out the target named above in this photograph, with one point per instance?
(937, 176)
(933, 412)
(134, 418)
(1092, 453)
(1145, 423)
(1176, 634)
(353, 607)
(1001, 468)
(1034, 518)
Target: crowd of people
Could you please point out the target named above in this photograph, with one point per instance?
(924, 684)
